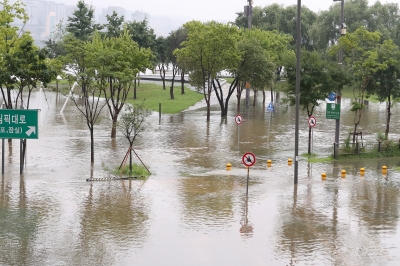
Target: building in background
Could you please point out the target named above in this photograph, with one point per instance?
(45, 15)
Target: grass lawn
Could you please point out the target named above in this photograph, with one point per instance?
(153, 94)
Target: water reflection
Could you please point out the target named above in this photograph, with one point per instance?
(246, 230)
(111, 222)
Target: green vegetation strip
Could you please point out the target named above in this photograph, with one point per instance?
(153, 94)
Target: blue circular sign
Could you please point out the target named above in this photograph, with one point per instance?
(332, 96)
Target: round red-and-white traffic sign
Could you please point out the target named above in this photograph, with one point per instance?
(238, 119)
(248, 159)
(312, 121)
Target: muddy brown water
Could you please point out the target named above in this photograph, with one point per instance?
(191, 210)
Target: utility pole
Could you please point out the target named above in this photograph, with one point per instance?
(296, 141)
(340, 62)
(249, 12)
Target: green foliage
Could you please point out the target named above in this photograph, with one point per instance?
(138, 171)
(380, 136)
(81, 24)
(316, 79)
(114, 25)
(347, 142)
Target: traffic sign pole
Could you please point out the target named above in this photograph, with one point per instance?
(248, 160)
(239, 121)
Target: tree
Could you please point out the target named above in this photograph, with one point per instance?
(54, 45)
(386, 86)
(144, 36)
(81, 25)
(9, 42)
(317, 79)
(114, 25)
(365, 55)
(161, 57)
(131, 124)
(81, 60)
(174, 41)
(117, 61)
(282, 19)
(208, 49)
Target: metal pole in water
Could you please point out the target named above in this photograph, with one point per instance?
(238, 138)
(248, 176)
(21, 154)
(298, 41)
(2, 149)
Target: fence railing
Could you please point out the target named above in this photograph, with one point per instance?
(388, 148)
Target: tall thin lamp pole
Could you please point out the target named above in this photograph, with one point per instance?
(249, 15)
(339, 94)
(296, 142)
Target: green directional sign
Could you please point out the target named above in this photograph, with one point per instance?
(19, 124)
(332, 111)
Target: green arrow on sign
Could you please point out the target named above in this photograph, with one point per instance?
(19, 124)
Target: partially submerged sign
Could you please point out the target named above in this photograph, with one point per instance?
(19, 124)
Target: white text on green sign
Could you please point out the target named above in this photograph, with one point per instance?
(19, 124)
(332, 111)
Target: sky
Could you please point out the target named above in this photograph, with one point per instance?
(204, 10)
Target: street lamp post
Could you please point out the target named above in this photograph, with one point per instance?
(339, 94)
(249, 12)
(296, 139)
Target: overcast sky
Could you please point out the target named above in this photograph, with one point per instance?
(204, 10)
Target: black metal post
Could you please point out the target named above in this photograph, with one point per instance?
(296, 141)
(340, 62)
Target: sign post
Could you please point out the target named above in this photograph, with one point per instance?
(312, 122)
(248, 160)
(239, 121)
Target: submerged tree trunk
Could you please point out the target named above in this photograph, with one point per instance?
(388, 117)
(114, 126)
(91, 145)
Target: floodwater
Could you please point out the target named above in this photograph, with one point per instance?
(191, 210)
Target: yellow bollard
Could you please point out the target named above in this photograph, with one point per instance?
(384, 169)
(228, 166)
(323, 176)
(289, 161)
(362, 171)
(269, 163)
(343, 173)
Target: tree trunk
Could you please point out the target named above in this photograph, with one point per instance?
(130, 160)
(263, 92)
(388, 118)
(182, 82)
(134, 91)
(171, 92)
(114, 126)
(91, 145)
(255, 97)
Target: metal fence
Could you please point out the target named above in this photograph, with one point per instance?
(386, 148)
